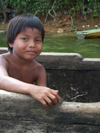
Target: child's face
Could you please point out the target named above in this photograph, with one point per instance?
(27, 44)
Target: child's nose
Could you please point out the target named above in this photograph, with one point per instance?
(32, 44)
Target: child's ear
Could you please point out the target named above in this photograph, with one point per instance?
(10, 45)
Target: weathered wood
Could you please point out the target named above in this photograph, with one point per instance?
(20, 112)
(68, 61)
(88, 34)
(77, 79)
(3, 50)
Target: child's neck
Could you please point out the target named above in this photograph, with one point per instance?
(21, 62)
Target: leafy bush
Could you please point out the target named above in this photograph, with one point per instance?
(44, 7)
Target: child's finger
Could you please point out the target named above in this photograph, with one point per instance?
(44, 103)
(53, 99)
(49, 101)
(55, 93)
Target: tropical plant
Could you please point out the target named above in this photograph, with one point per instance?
(51, 7)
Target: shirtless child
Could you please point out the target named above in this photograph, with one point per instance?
(18, 70)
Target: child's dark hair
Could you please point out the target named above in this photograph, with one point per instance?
(19, 23)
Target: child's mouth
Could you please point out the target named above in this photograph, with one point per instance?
(31, 52)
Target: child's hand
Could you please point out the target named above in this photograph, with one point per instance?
(48, 97)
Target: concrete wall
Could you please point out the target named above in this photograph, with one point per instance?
(77, 80)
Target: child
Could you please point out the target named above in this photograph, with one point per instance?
(18, 70)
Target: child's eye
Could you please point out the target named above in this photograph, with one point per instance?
(24, 38)
(38, 40)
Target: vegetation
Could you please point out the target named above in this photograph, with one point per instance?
(51, 7)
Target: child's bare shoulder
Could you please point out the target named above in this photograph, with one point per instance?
(4, 64)
(37, 72)
(4, 57)
(38, 66)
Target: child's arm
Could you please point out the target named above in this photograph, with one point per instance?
(53, 98)
(40, 93)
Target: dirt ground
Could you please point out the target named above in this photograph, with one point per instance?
(64, 23)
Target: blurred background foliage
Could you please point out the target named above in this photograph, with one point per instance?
(51, 7)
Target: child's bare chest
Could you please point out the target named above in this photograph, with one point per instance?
(25, 75)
